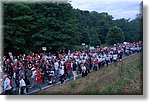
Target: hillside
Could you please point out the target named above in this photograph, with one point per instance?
(120, 78)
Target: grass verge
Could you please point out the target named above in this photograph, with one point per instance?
(120, 78)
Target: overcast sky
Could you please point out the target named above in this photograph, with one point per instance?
(117, 8)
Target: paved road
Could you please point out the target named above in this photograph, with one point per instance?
(44, 85)
(35, 88)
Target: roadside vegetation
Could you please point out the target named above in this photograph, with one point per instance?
(120, 78)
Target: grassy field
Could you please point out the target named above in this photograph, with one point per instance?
(120, 78)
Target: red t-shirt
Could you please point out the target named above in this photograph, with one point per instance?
(68, 66)
(38, 78)
(96, 62)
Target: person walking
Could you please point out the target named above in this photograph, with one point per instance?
(115, 57)
(50, 75)
(74, 70)
(61, 73)
(69, 69)
(56, 67)
(84, 71)
(33, 70)
(38, 79)
(27, 82)
(7, 86)
(99, 62)
(95, 64)
(107, 60)
(22, 85)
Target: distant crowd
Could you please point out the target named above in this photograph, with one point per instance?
(27, 71)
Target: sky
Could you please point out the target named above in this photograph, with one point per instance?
(117, 8)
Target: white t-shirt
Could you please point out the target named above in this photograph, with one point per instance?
(71, 64)
(56, 64)
(54, 57)
(81, 56)
(22, 83)
(110, 55)
(7, 85)
(62, 62)
(83, 61)
(114, 49)
(75, 57)
(62, 67)
(61, 72)
(111, 51)
(105, 55)
(83, 68)
(33, 74)
(107, 58)
(103, 58)
(115, 56)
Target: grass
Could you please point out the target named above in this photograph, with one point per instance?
(120, 78)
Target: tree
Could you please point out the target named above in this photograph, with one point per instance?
(135, 29)
(30, 26)
(132, 28)
(115, 35)
(17, 26)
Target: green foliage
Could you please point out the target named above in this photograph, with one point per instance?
(127, 76)
(30, 26)
(114, 36)
(133, 30)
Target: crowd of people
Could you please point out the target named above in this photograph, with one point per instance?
(31, 70)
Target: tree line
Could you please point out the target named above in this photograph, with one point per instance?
(30, 26)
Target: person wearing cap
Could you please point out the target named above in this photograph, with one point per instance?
(7, 86)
